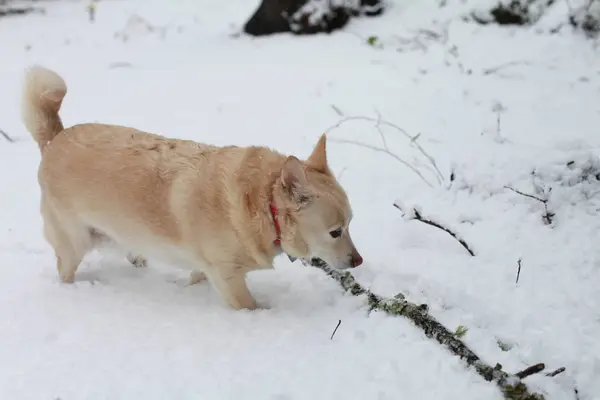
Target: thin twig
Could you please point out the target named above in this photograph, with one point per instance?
(417, 215)
(382, 150)
(498, 124)
(569, 6)
(378, 127)
(556, 372)
(548, 215)
(518, 270)
(6, 136)
(336, 328)
(526, 194)
(379, 123)
(337, 110)
(4, 12)
(413, 140)
(493, 70)
(339, 177)
(534, 369)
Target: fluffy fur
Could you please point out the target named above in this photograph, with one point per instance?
(201, 206)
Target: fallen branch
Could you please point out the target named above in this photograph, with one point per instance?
(511, 386)
(518, 270)
(6, 136)
(413, 213)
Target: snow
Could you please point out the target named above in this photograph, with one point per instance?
(178, 68)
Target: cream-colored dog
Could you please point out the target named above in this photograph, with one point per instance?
(220, 211)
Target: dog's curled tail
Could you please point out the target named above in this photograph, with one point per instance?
(43, 93)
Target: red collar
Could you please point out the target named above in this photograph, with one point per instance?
(274, 213)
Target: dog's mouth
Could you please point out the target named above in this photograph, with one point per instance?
(319, 263)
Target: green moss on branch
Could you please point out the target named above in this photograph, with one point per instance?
(511, 386)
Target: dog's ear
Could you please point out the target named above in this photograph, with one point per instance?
(318, 157)
(294, 180)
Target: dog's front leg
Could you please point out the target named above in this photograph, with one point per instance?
(231, 284)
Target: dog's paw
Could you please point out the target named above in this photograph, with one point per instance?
(137, 261)
(196, 277)
(83, 281)
(193, 279)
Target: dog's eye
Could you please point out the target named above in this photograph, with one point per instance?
(336, 234)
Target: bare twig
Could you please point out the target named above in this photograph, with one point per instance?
(415, 214)
(453, 51)
(498, 123)
(511, 386)
(534, 369)
(422, 37)
(413, 141)
(557, 28)
(10, 11)
(526, 194)
(378, 127)
(337, 110)
(548, 215)
(336, 328)
(382, 150)
(569, 6)
(379, 122)
(518, 270)
(556, 372)
(493, 70)
(339, 177)
(6, 136)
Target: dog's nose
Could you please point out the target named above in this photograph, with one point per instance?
(356, 260)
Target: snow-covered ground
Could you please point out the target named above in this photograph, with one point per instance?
(532, 124)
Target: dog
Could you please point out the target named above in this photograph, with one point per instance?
(219, 211)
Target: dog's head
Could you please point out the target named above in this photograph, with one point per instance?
(316, 214)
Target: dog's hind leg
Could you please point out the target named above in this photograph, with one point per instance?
(70, 239)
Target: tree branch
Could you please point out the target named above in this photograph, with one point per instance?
(511, 386)
(415, 214)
